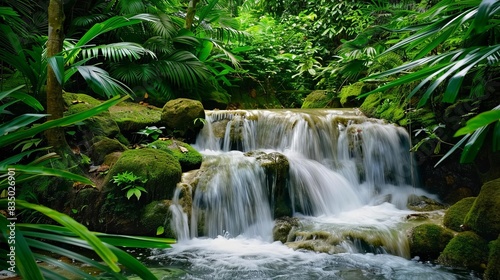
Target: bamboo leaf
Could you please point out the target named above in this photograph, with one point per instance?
(57, 65)
(496, 137)
(19, 122)
(45, 171)
(453, 149)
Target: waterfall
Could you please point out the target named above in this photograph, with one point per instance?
(338, 162)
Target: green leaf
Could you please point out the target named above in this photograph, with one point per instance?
(160, 230)
(25, 262)
(103, 251)
(19, 122)
(453, 149)
(45, 171)
(478, 121)
(473, 146)
(72, 119)
(496, 138)
(57, 65)
(130, 193)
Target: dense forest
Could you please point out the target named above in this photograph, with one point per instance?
(432, 67)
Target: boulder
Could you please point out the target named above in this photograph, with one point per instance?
(132, 117)
(319, 99)
(182, 117)
(455, 215)
(282, 228)
(423, 203)
(466, 250)
(215, 100)
(276, 166)
(484, 215)
(103, 147)
(99, 125)
(157, 214)
(188, 157)
(493, 269)
(428, 240)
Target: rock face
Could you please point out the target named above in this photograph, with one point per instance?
(467, 250)
(282, 228)
(455, 215)
(182, 117)
(484, 215)
(276, 167)
(428, 240)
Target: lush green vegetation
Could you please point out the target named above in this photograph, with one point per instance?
(431, 64)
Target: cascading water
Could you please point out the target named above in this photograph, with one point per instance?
(345, 177)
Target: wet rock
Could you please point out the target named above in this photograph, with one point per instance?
(188, 157)
(455, 215)
(484, 215)
(180, 117)
(428, 240)
(157, 214)
(276, 166)
(466, 250)
(282, 228)
(423, 203)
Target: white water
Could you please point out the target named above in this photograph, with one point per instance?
(349, 176)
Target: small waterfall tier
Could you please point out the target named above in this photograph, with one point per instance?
(336, 171)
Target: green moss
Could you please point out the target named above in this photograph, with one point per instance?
(104, 147)
(467, 250)
(493, 269)
(317, 99)
(188, 157)
(484, 215)
(348, 94)
(132, 117)
(455, 215)
(79, 100)
(161, 169)
(156, 214)
(244, 100)
(428, 240)
(215, 100)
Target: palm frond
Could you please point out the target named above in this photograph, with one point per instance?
(133, 73)
(117, 51)
(163, 25)
(182, 68)
(159, 45)
(101, 82)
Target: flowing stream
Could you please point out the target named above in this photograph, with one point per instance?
(346, 179)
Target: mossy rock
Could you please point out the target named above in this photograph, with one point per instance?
(99, 125)
(318, 99)
(188, 157)
(104, 147)
(161, 169)
(282, 228)
(428, 240)
(484, 215)
(156, 214)
(348, 94)
(455, 215)
(423, 203)
(466, 250)
(180, 117)
(132, 117)
(493, 269)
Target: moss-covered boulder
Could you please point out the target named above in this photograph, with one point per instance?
(320, 99)
(161, 169)
(348, 94)
(99, 125)
(103, 147)
(423, 203)
(276, 166)
(428, 240)
(282, 228)
(132, 117)
(493, 269)
(466, 250)
(484, 215)
(157, 214)
(188, 157)
(181, 117)
(455, 215)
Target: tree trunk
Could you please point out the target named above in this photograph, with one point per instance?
(191, 11)
(55, 104)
